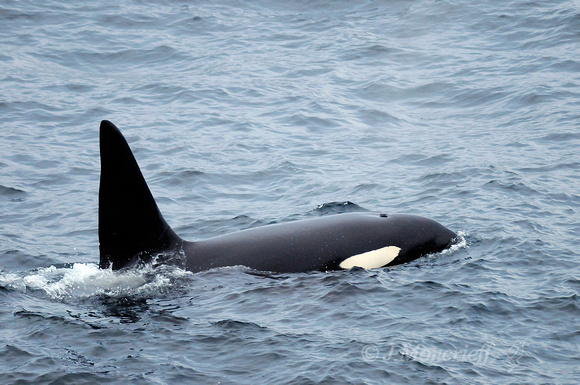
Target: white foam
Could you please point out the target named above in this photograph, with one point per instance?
(83, 280)
(460, 244)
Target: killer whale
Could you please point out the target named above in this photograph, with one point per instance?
(132, 230)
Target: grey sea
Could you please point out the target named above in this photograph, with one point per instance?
(246, 113)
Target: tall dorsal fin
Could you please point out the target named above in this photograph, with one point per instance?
(130, 223)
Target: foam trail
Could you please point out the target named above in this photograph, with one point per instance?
(83, 280)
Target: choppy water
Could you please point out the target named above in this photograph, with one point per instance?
(247, 113)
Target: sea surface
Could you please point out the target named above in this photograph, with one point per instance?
(245, 113)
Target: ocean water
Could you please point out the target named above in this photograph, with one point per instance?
(248, 113)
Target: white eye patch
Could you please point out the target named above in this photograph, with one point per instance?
(372, 259)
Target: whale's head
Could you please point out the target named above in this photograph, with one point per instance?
(417, 236)
(397, 239)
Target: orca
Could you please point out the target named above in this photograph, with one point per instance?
(132, 231)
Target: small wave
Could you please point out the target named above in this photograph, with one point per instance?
(4, 190)
(234, 325)
(338, 208)
(12, 193)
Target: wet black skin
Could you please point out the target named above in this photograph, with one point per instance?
(132, 229)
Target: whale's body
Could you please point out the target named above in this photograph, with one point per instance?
(132, 229)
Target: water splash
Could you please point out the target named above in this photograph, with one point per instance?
(85, 280)
(460, 243)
